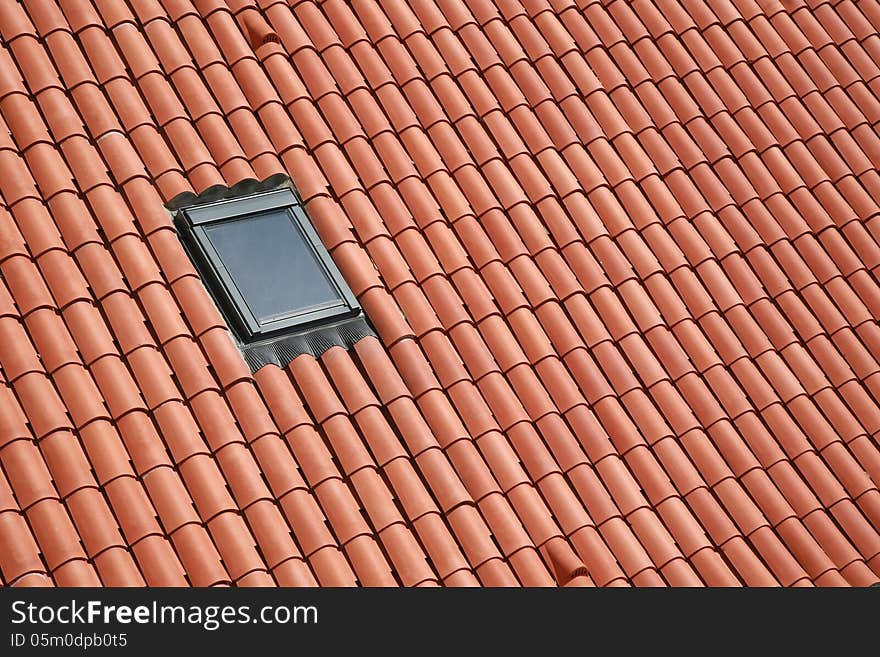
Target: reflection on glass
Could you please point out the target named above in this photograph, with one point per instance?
(272, 264)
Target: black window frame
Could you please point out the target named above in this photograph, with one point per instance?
(192, 223)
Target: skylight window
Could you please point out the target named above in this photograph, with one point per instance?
(265, 266)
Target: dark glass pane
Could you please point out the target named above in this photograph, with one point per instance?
(272, 264)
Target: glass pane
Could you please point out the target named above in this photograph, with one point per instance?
(272, 264)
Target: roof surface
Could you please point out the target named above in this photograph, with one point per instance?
(622, 259)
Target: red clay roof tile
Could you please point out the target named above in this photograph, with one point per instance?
(499, 399)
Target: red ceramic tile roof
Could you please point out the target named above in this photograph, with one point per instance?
(622, 258)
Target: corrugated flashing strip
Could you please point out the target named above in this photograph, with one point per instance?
(282, 350)
(245, 187)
